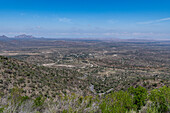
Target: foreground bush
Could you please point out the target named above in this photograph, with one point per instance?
(118, 102)
(160, 99)
(139, 96)
(131, 101)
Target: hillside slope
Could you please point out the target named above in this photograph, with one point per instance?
(39, 80)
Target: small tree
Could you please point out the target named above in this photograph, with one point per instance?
(139, 96)
(160, 98)
(117, 102)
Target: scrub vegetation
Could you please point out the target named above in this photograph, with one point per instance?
(132, 101)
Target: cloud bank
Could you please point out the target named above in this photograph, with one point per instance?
(155, 21)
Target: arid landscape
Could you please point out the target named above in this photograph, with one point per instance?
(82, 69)
(104, 64)
(84, 56)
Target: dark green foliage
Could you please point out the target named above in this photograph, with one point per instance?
(139, 96)
(161, 98)
(118, 102)
(80, 100)
(1, 110)
(39, 101)
(65, 111)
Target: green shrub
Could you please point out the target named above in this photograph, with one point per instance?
(161, 98)
(15, 95)
(118, 102)
(1, 110)
(139, 96)
(39, 101)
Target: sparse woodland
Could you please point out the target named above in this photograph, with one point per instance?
(84, 77)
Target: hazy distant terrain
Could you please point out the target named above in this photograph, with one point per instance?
(69, 75)
(104, 65)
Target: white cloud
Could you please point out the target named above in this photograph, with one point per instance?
(164, 19)
(112, 21)
(116, 34)
(155, 21)
(65, 20)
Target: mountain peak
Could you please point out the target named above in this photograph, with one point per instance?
(24, 36)
(3, 37)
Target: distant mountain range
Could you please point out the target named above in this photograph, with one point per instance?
(23, 36)
(30, 37)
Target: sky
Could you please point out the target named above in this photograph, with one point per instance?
(143, 19)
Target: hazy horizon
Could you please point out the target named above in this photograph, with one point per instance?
(86, 18)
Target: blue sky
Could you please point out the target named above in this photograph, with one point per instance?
(86, 18)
